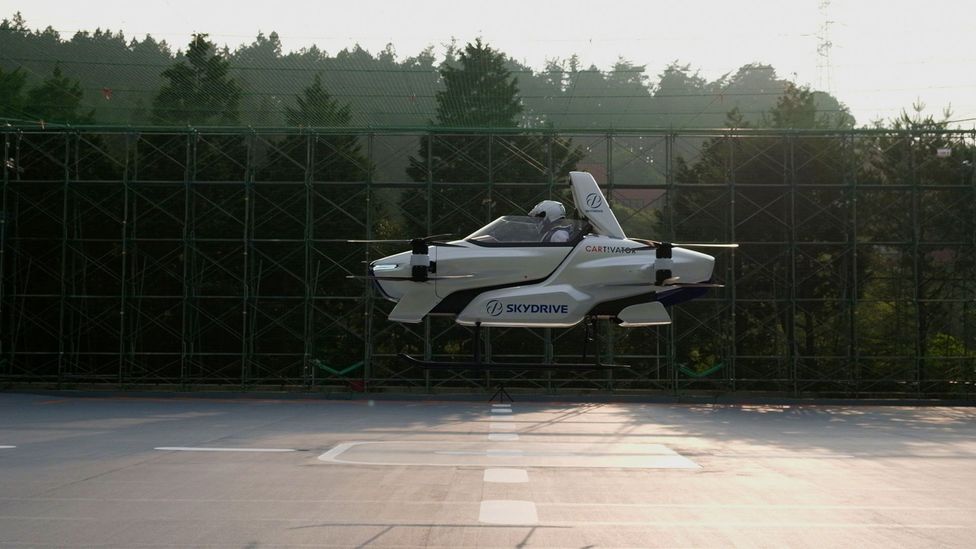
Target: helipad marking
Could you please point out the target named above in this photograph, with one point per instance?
(504, 453)
(508, 511)
(332, 454)
(502, 426)
(506, 475)
(486, 453)
(501, 410)
(518, 454)
(502, 437)
(503, 418)
(501, 405)
(192, 449)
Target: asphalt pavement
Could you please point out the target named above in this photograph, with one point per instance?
(248, 472)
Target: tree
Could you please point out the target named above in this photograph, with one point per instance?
(12, 93)
(338, 206)
(58, 100)
(260, 106)
(797, 294)
(316, 107)
(799, 108)
(918, 279)
(199, 91)
(336, 157)
(679, 94)
(479, 92)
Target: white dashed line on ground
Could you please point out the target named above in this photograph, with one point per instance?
(504, 453)
(6, 447)
(501, 410)
(508, 511)
(192, 449)
(506, 475)
(502, 437)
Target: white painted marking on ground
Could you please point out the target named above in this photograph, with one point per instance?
(501, 405)
(503, 418)
(504, 453)
(502, 437)
(516, 454)
(756, 525)
(6, 447)
(506, 475)
(502, 427)
(192, 449)
(767, 506)
(501, 410)
(332, 454)
(508, 511)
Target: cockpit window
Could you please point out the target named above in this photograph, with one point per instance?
(521, 229)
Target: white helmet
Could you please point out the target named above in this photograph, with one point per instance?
(550, 210)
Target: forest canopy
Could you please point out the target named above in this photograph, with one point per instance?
(104, 77)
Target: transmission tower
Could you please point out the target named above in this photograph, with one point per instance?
(824, 46)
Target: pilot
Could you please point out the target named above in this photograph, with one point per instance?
(550, 213)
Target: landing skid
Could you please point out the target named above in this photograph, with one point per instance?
(478, 365)
(507, 366)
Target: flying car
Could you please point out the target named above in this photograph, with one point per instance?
(544, 271)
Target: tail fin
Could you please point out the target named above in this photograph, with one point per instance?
(593, 205)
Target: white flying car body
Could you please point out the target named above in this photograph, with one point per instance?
(508, 274)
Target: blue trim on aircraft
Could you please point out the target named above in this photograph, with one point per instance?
(680, 295)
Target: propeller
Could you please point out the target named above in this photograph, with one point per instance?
(431, 240)
(694, 284)
(656, 245)
(441, 277)
(676, 284)
(420, 264)
(663, 262)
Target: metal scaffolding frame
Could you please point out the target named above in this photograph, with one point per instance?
(196, 258)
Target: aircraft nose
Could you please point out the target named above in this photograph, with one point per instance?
(692, 266)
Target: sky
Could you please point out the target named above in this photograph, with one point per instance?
(884, 56)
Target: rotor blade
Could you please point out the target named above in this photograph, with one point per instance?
(692, 245)
(360, 241)
(674, 285)
(705, 245)
(427, 239)
(438, 236)
(667, 282)
(407, 278)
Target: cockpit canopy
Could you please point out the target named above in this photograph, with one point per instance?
(523, 230)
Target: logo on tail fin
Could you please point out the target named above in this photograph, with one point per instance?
(594, 200)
